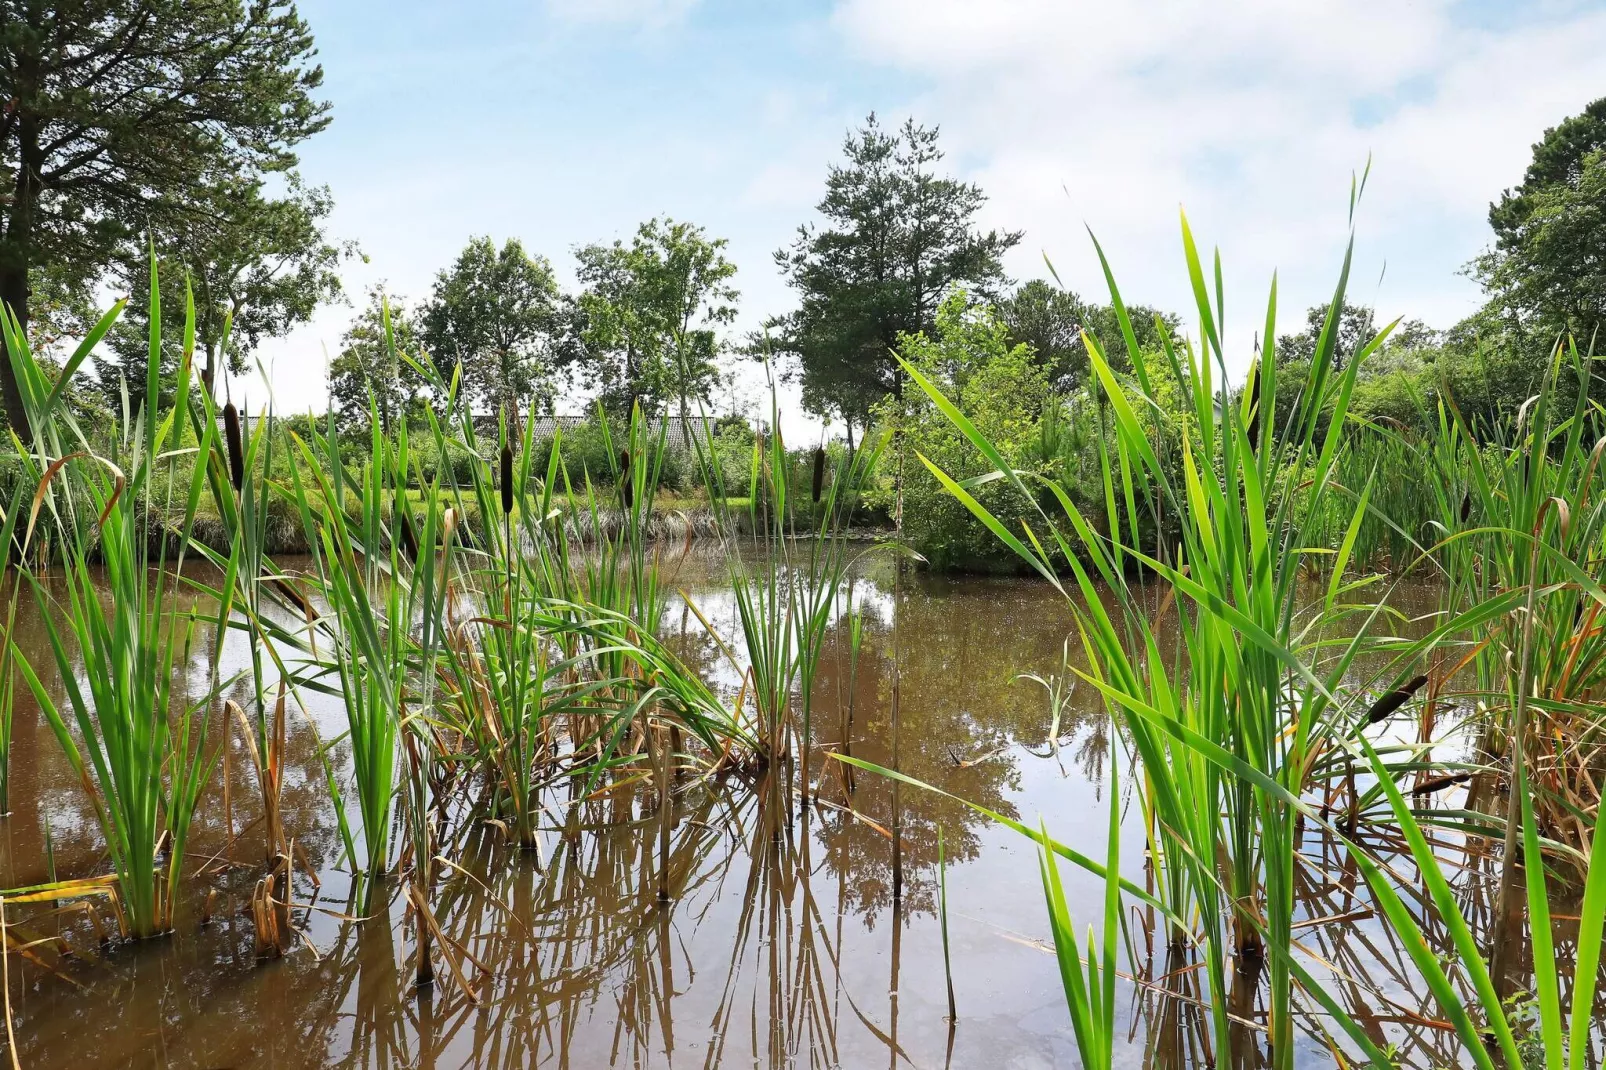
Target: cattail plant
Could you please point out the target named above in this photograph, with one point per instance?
(237, 468)
(1255, 413)
(787, 597)
(1393, 699)
(1246, 688)
(1562, 1039)
(231, 434)
(401, 517)
(362, 574)
(505, 478)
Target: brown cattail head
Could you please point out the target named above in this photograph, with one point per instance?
(1427, 787)
(1466, 506)
(1254, 414)
(819, 473)
(627, 479)
(507, 479)
(231, 433)
(1390, 701)
(403, 521)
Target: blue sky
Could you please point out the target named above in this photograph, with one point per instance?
(570, 121)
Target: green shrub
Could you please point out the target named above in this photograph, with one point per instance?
(1004, 391)
(586, 453)
(733, 454)
(455, 468)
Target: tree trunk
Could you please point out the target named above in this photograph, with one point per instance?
(14, 295)
(15, 252)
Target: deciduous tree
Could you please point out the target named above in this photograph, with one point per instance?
(1355, 328)
(1051, 321)
(497, 316)
(119, 112)
(369, 366)
(651, 313)
(1547, 270)
(261, 264)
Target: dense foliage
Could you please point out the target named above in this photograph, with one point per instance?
(370, 367)
(125, 117)
(496, 317)
(650, 313)
(1545, 273)
(897, 238)
(1052, 321)
(1004, 392)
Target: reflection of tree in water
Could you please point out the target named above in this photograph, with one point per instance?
(759, 955)
(1093, 749)
(962, 645)
(961, 709)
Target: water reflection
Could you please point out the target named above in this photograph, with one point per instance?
(779, 942)
(734, 926)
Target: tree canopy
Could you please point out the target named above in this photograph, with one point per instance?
(1356, 327)
(1001, 386)
(125, 117)
(1050, 321)
(649, 314)
(369, 366)
(896, 238)
(256, 263)
(497, 316)
(1547, 270)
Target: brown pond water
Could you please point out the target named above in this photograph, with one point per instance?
(783, 942)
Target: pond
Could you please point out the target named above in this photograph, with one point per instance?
(737, 927)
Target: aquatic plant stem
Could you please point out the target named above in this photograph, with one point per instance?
(942, 903)
(5, 979)
(1506, 907)
(897, 797)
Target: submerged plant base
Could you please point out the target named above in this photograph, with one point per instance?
(790, 912)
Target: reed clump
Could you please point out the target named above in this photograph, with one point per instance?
(477, 666)
(136, 741)
(1250, 728)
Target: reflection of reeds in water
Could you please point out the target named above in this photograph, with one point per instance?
(782, 939)
(573, 798)
(576, 934)
(8, 686)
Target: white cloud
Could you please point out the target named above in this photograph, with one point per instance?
(1253, 115)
